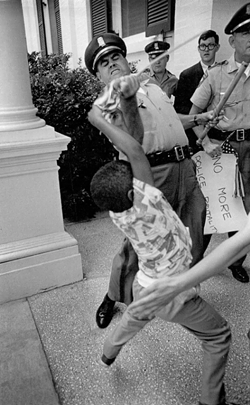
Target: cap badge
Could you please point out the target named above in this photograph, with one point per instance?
(101, 41)
(248, 9)
(156, 45)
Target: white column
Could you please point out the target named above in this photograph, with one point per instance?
(36, 253)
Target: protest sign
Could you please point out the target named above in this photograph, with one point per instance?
(216, 177)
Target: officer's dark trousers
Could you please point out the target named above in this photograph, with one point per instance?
(178, 183)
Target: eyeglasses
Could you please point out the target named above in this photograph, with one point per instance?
(210, 47)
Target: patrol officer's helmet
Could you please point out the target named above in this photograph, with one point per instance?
(100, 46)
(240, 21)
(156, 47)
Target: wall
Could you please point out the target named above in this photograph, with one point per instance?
(31, 25)
(192, 17)
(74, 17)
(223, 10)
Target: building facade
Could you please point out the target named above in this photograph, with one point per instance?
(56, 26)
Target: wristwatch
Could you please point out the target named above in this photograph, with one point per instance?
(196, 120)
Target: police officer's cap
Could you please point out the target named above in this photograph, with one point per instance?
(239, 21)
(100, 46)
(157, 47)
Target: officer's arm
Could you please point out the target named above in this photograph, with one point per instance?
(132, 118)
(128, 86)
(197, 119)
(209, 147)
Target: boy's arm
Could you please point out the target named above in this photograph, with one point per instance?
(126, 144)
(162, 291)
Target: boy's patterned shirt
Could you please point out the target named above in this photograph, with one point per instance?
(158, 236)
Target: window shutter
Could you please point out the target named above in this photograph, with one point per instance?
(133, 17)
(99, 17)
(159, 16)
(41, 27)
(58, 26)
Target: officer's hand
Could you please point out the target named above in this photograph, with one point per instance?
(209, 119)
(127, 86)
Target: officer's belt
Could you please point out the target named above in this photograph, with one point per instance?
(177, 154)
(238, 135)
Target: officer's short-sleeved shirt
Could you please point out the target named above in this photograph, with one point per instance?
(212, 89)
(168, 83)
(163, 129)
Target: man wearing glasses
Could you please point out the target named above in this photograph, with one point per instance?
(208, 45)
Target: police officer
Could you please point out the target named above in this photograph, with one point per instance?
(164, 141)
(165, 79)
(237, 108)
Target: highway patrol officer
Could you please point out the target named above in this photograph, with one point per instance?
(166, 145)
(164, 78)
(237, 108)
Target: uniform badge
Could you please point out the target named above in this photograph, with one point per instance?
(101, 42)
(156, 46)
(248, 9)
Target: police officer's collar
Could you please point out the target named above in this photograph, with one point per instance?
(232, 64)
(247, 71)
(166, 73)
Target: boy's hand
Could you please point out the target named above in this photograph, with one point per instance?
(155, 297)
(127, 86)
(95, 115)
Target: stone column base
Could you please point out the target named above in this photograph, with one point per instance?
(35, 265)
(36, 253)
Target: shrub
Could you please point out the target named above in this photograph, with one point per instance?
(63, 98)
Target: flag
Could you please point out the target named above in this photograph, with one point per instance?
(238, 183)
(108, 102)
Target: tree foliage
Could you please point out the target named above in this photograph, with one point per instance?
(63, 98)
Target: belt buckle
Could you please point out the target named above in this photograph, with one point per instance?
(240, 135)
(179, 153)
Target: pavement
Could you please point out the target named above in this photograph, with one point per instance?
(50, 344)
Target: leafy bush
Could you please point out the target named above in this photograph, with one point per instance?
(63, 98)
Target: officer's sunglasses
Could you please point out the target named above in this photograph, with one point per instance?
(204, 47)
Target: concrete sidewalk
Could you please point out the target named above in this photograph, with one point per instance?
(50, 344)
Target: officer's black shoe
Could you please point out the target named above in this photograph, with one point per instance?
(104, 314)
(239, 273)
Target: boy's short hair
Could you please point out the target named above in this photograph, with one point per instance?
(110, 185)
(209, 34)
